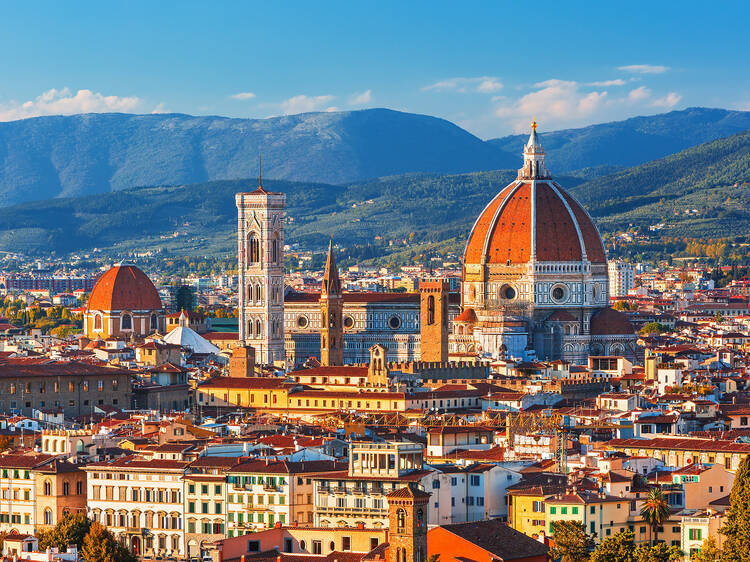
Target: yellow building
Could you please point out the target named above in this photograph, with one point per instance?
(18, 491)
(251, 392)
(683, 451)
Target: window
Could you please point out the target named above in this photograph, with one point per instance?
(253, 248)
(98, 322)
(563, 510)
(346, 543)
(431, 309)
(574, 510)
(253, 546)
(126, 322)
(474, 480)
(552, 510)
(538, 507)
(317, 547)
(694, 534)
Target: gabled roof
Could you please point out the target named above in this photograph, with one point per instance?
(496, 538)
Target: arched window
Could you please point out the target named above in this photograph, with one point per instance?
(250, 328)
(258, 332)
(275, 248)
(48, 516)
(66, 488)
(253, 248)
(258, 293)
(47, 488)
(79, 446)
(401, 520)
(430, 309)
(420, 517)
(154, 322)
(126, 322)
(97, 322)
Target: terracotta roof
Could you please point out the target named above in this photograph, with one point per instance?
(608, 321)
(561, 316)
(124, 287)
(496, 538)
(407, 492)
(503, 230)
(25, 368)
(243, 382)
(681, 444)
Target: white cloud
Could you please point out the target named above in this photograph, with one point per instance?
(644, 68)
(64, 102)
(361, 99)
(607, 83)
(555, 101)
(639, 94)
(161, 108)
(243, 96)
(480, 84)
(670, 100)
(305, 104)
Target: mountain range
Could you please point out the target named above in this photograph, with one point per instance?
(632, 141)
(62, 156)
(700, 192)
(66, 156)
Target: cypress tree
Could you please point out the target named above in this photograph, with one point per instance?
(736, 547)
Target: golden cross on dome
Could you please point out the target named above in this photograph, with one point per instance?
(533, 123)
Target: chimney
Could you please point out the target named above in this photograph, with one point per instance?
(360, 525)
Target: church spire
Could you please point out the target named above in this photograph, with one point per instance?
(331, 282)
(533, 158)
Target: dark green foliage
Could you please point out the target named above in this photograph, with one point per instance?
(621, 548)
(736, 529)
(572, 543)
(617, 548)
(655, 510)
(183, 298)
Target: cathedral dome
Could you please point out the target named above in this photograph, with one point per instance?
(533, 218)
(610, 322)
(124, 287)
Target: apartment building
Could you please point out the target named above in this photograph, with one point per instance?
(141, 501)
(18, 491)
(262, 493)
(356, 496)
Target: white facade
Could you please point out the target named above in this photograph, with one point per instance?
(621, 278)
(260, 257)
(141, 502)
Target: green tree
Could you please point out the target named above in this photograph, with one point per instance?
(709, 552)
(655, 510)
(6, 443)
(659, 552)
(71, 529)
(718, 317)
(651, 328)
(617, 548)
(572, 543)
(100, 545)
(736, 529)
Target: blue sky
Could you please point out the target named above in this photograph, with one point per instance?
(487, 66)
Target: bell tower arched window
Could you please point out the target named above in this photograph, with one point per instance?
(253, 248)
(257, 328)
(275, 248)
(431, 309)
(401, 520)
(257, 293)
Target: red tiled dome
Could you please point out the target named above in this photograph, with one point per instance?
(610, 322)
(124, 287)
(468, 316)
(563, 230)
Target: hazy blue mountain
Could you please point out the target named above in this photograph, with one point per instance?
(59, 156)
(631, 142)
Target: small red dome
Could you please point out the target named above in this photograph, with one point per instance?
(468, 316)
(610, 322)
(562, 230)
(124, 287)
